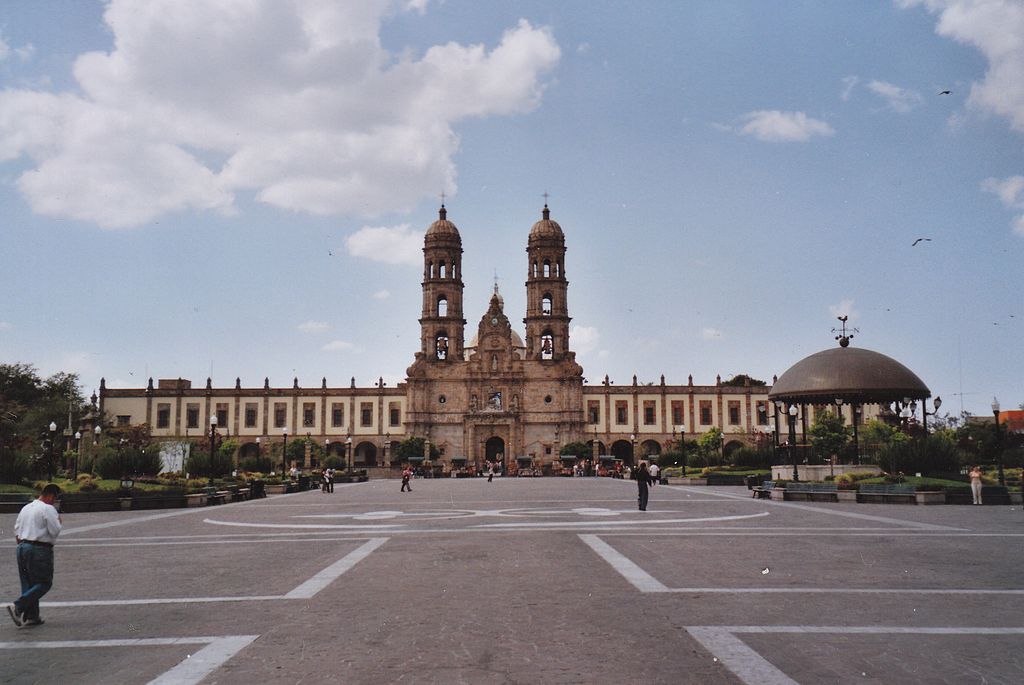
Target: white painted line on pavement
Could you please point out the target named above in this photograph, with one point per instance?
(753, 669)
(193, 669)
(639, 578)
(825, 510)
(635, 522)
(306, 590)
(329, 574)
(743, 661)
(306, 526)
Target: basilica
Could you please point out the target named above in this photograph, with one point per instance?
(502, 396)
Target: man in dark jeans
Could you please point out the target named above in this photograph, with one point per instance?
(643, 480)
(35, 530)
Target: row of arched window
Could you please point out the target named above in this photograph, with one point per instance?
(545, 269)
(441, 270)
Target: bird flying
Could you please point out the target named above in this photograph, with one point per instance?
(919, 240)
(945, 92)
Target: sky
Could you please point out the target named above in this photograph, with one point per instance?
(240, 188)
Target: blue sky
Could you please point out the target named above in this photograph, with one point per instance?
(241, 189)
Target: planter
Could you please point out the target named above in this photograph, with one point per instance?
(276, 488)
(846, 496)
(693, 481)
(126, 503)
(196, 500)
(931, 497)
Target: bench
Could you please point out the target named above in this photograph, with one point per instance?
(215, 496)
(12, 502)
(763, 491)
(870, 492)
(811, 492)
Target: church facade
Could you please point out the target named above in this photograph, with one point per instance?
(500, 396)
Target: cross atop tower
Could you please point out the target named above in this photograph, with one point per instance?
(443, 196)
(546, 196)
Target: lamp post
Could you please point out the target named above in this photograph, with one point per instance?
(937, 402)
(856, 439)
(792, 412)
(284, 452)
(96, 431)
(632, 449)
(999, 452)
(49, 458)
(348, 453)
(327, 448)
(78, 455)
(259, 451)
(213, 440)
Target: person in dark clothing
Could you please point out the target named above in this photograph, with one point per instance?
(643, 480)
(406, 475)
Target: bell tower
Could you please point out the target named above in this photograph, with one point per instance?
(547, 310)
(442, 326)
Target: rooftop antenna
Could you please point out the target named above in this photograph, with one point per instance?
(844, 338)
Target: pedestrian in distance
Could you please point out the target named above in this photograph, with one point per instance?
(975, 476)
(655, 473)
(35, 531)
(406, 476)
(643, 480)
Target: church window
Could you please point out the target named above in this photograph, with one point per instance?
(222, 414)
(442, 306)
(163, 416)
(705, 412)
(441, 346)
(547, 268)
(280, 414)
(430, 270)
(593, 411)
(394, 414)
(494, 362)
(337, 414)
(621, 412)
(547, 345)
(192, 416)
(308, 414)
(535, 267)
(545, 304)
(558, 268)
(251, 412)
(649, 419)
(677, 413)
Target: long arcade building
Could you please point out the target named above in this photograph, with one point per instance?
(499, 397)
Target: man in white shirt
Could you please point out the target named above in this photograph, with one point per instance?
(35, 530)
(655, 473)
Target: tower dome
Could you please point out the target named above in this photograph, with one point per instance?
(442, 229)
(546, 227)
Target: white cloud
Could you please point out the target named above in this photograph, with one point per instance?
(177, 117)
(775, 126)
(391, 245)
(584, 338)
(338, 346)
(5, 325)
(313, 326)
(848, 84)
(844, 308)
(1011, 193)
(709, 333)
(382, 294)
(995, 28)
(5, 49)
(583, 49)
(898, 99)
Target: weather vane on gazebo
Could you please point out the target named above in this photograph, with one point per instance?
(844, 338)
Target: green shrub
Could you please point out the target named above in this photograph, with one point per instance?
(260, 463)
(15, 467)
(200, 463)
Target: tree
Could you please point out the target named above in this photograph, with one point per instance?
(829, 434)
(576, 449)
(412, 448)
(742, 380)
(709, 445)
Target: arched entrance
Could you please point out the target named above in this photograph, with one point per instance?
(366, 454)
(623, 449)
(494, 449)
(650, 448)
(249, 450)
(601, 449)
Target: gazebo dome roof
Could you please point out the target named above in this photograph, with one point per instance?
(853, 374)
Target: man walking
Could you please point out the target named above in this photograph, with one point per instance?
(406, 476)
(35, 530)
(643, 479)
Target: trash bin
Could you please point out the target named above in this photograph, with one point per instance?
(304, 483)
(751, 482)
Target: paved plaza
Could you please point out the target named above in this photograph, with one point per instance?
(527, 581)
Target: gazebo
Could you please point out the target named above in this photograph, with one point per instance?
(846, 375)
